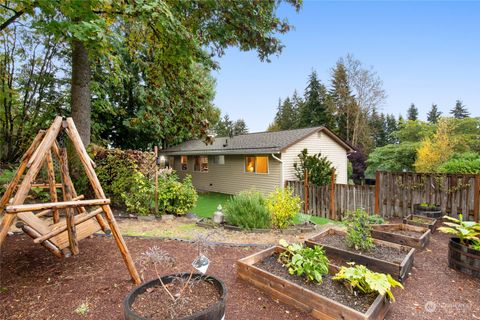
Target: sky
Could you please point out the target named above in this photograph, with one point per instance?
(425, 52)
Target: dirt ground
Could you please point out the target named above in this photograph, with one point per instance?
(36, 285)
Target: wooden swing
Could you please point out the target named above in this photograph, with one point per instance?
(59, 236)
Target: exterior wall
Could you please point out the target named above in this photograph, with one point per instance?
(315, 143)
(231, 177)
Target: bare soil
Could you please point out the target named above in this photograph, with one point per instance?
(156, 304)
(378, 251)
(329, 288)
(36, 285)
(407, 233)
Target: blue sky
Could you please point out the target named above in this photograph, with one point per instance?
(425, 52)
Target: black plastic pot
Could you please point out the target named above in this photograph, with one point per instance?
(463, 258)
(214, 312)
(431, 212)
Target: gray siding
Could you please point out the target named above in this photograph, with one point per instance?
(231, 177)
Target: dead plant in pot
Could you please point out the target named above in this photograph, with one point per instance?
(190, 295)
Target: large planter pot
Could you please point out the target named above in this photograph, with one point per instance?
(463, 258)
(434, 212)
(214, 312)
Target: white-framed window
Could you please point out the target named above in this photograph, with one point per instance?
(218, 160)
(184, 163)
(201, 164)
(256, 164)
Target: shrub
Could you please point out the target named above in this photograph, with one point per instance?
(319, 168)
(247, 210)
(301, 260)
(5, 177)
(358, 230)
(361, 278)
(375, 219)
(175, 197)
(468, 162)
(283, 206)
(138, 195)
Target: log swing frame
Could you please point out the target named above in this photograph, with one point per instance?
(59, 237)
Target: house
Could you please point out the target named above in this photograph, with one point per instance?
(262, 160)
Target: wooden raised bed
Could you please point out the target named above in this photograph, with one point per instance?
(393, 233)
(397, 269)
(320, 307)
(422, 221)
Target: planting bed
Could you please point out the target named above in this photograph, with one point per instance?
(329, 299)
(422, 221)
(404, 234)
(385, 257)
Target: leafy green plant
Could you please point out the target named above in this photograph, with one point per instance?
(283, 206)
(301, 260)
(82, 309)
(466, 231)
(319, 168)
(358, 277)
(358, 230)
(468, 162)
(174, 196)
(139, 194)
(5, 177)
(247, 210)
(375, 219)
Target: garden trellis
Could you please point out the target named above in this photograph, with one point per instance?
(60, 237)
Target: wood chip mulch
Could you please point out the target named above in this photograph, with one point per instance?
(36, 285)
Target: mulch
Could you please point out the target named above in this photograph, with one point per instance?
(36, 285)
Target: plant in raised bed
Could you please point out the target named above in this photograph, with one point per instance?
(358, 277)
(358, 230)
(301, 260)
(375, 219)
(464, 247)
(176, 296)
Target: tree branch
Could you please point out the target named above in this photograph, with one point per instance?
(11, 20)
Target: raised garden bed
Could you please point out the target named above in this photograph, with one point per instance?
(422, 221)
(386, 257)
(428, 211)
(329, 300)
(405, 234)
(235, 228)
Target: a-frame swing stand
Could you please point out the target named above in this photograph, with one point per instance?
(59, 236)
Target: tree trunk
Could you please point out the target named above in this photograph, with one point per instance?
(80, 103)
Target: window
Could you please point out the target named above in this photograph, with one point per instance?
(218, 160)
(201, 164)
(256, 164)
(184, 162)
(170, 162)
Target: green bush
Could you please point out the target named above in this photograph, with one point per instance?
(248, 210)
(138, 194)
(358, 230)
(319, 168)
(175, 197)
(375, 219)
(283, 206)
(5, 177)
(468, 162)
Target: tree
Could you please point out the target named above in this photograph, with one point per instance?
(459, 111)
(314, 110)
(358, 161)
(391, 126)
(435, 151)
(378, 123)
(286, 116)
(433, 115)
(224, 127)
(240, 127)
(392, 157)
(149, 28)
(318, 167)
(412, 112)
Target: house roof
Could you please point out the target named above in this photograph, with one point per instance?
(252, 143)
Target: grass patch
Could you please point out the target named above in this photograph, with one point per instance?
(208, 202)
(315, 219)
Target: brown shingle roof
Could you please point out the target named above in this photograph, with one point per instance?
(252, 143)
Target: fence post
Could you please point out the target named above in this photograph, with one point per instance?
(377, 192)
(476, 198)
(332, 196)
(305, 191)
(155, 149)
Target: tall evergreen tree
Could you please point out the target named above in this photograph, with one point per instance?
(459, 111)
(314, 111)
(297, 103)
(286, 115)
(433, 115)
(343, 102)
(224, 127)
(378, 124)
(412, 112)
(240, 127)
(391, 125)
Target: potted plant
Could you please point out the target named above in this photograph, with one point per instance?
(187, 296)
(430, 210)
(464, 246)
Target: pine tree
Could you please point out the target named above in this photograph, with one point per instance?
(343, 103)
(224, 127)
(240, 127)
(433, 115)
(378, 124)
(297, 103)
(391, 125)
(314, 111)
(460, 111)
(412, 113)
(286, 115)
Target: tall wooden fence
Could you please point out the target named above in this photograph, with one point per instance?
(395, 194)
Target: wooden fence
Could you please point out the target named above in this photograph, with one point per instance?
(395, 194)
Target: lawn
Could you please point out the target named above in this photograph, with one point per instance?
(208, 202)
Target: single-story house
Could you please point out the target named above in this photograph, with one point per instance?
(262, 160)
